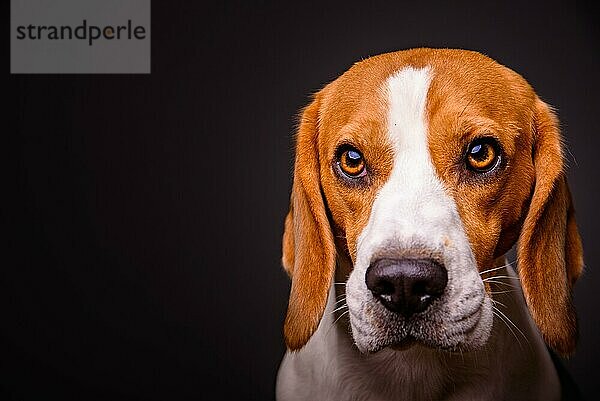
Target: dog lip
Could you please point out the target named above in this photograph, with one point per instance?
(476, 310)
(468, 316)
(458, 331)
(470, 321)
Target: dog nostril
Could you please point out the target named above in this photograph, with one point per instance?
(406, 286)
(419, 288)
(382, 287)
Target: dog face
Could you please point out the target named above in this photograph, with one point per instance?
(422, 167)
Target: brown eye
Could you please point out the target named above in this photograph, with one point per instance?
(352, 162)
(482, 155)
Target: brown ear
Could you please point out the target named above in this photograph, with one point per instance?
(308, 247)
(549, 250)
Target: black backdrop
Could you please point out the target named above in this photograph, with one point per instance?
(143, 214)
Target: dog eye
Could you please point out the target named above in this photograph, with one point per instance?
(483, 155)
(351, 162)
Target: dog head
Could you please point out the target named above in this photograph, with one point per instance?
(421, 168)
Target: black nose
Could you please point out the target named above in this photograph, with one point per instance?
(406, 286)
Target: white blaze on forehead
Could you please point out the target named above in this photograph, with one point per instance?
(412, 208)
(414, 216)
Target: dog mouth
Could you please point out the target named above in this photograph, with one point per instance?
(450, 341)
(459, 334)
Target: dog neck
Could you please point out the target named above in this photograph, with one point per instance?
(514, 361)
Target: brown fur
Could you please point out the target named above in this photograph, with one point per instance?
(550, 252)
(309, 253)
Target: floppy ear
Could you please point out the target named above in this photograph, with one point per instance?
(549, 250)
(308, 247)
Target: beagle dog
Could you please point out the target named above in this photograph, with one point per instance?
(415, 173)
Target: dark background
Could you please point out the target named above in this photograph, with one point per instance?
(143, 214)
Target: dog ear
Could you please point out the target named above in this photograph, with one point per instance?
(550, 255)
(308, 246)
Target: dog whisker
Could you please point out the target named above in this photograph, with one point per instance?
(336, 320)
(491, 270)
(339, 309)
(340, 316)
(339, 301)
(506, 277)
(497, 268)
(493, 278)
(513, 324)
(496, 313)
(499, 303)
(500, 283)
